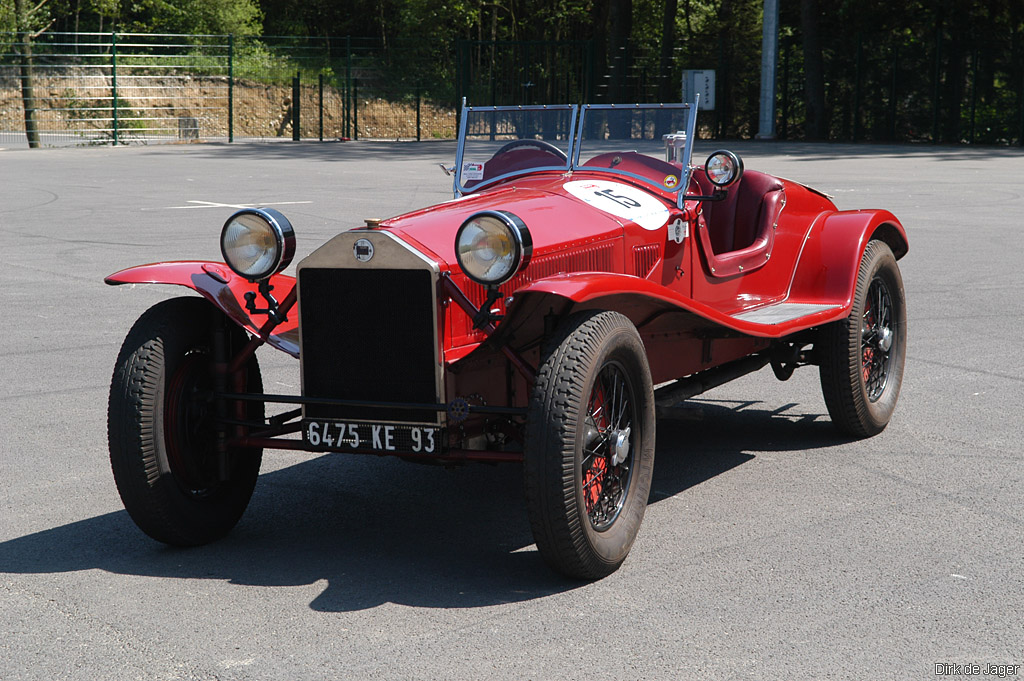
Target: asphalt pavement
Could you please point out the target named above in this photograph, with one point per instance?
(772, 547)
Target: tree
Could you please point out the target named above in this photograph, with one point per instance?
(668, 88)
(240, 17)
(25, 20)
(814, 71)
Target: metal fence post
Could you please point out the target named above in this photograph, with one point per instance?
(938, 82)
(589, 77)
(348, 86)
(355, 109)
(417, 113)
(858, 69)
(296, 109)
(974, 94)
(320, 90)
(893, 91)
(1020, 138)
(461, 48)
(231, 87)
(784, 122)
(113, 81)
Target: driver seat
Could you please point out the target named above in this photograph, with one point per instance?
(737, 232)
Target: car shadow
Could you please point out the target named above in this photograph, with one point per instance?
(380, 530)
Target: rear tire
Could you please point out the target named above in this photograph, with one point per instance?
(862, 356)
(161, 430)
(590, 445)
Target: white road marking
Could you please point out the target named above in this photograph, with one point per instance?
(212, 204)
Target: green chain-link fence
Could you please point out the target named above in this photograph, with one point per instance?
(124, 88)
(102, 88)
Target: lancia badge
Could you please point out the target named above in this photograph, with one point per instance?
(363, 250)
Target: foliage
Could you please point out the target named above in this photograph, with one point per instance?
(240, 17)
(942, 70)
(7, 22)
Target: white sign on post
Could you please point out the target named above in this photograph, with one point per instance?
(700, 82)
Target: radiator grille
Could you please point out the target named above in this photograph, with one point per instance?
(368, 335)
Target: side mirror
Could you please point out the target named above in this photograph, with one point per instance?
(723, 168)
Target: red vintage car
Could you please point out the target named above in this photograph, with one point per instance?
(581, 263)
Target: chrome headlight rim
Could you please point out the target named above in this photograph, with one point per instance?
(519, 235)
(282, 233)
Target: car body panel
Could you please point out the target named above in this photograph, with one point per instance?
(610, 233)
(217, 283)
(815, 254)
(557, 220)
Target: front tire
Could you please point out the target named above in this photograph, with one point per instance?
(862, 356)
(590, 445)
(161, 426)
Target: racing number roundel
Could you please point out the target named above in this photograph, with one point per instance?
(621, 200)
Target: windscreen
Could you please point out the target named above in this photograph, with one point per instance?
(503, 141)
(630, 140)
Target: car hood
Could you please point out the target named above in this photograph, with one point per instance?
(555, 216)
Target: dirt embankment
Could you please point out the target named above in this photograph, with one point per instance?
(189, 107)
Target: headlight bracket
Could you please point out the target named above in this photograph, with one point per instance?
(273, 308)
(484, 316)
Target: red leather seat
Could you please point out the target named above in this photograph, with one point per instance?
(747, 213)
(737, 233)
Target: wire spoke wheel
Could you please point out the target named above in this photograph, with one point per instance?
(877, 339)
(189, 430)
(590, 444)
(606, 465)
(161, 426)
(862, 357)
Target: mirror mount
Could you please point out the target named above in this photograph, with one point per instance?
(717, 195)
(723, 169)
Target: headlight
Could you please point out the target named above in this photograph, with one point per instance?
(257, 243)
(492, 246)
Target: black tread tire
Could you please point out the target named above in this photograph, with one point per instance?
(157, 499)
(839, 352)
(572, 360)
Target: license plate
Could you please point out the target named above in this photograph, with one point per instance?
(340, 436)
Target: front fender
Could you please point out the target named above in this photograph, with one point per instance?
(226, 290)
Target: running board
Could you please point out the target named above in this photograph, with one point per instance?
(779, 313)
(668, 396)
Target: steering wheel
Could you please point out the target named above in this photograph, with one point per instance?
(539, 144)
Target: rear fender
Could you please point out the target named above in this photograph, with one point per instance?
(226, 290)
(828, 266)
